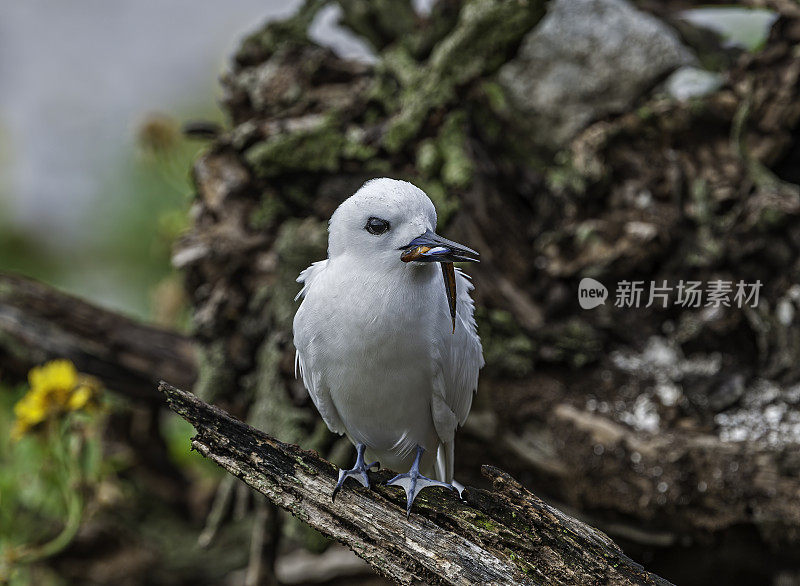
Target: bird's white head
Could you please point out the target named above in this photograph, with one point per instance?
(387, 223)
(379, 219)
(386, 217)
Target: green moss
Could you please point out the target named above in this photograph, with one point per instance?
(486, 29)
(384, 92)
(316, 149)
(428, 159)
(457, 169)
(496, 97)
(380, 22)
(563, 176)
(577, 343)
(404, 126)
(296, 193)
(771, 217)
(270, 209)
(215, 375)
(273, 411)
(708, 249)
(521, 563)
(298, 244)
(645, 112)
(282, 34)
(698, 106)
(702, 206)
(398, 62)
(354, 147)
(484, 523)
(506, 347)
(308, 469)
(446, 205)
(319, 148)
(585, 233)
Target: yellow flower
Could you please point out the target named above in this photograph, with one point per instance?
(32, 407)
(55, 388)
(57, 377)
(79, 398)
(29, 411)
(55, 373)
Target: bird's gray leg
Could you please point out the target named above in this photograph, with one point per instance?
(359, 471)
(413, 482)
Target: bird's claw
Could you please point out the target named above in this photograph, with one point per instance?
(359, 472)
(413, 482)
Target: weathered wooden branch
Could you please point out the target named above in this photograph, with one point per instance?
(39, 323)
(503, 536)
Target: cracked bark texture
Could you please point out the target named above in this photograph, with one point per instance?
(673, 429)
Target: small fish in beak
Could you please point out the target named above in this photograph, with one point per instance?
(430, 247)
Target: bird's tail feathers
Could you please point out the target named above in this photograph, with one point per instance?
(445, 458)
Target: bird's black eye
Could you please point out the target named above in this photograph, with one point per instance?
(376, 226)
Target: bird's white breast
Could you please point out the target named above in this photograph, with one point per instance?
(368, 336)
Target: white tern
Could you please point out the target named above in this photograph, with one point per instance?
(388, 352)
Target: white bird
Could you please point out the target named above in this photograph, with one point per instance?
(389, 356)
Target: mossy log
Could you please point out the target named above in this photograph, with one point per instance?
(502, 536)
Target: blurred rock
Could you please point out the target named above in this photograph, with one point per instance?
(743, 28)
(692, 82)
(302, 567)
(728, 393)
(587, 59)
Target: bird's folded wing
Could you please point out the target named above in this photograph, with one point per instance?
(459, 359)
(319, 394)
(305, 362)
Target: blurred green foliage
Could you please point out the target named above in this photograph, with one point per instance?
(55, 478)
(45, 479)
(122, 257)
(52, 482)
(177, 434)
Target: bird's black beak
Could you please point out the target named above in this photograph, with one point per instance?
(430, 247)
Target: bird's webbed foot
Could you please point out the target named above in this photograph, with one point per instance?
(413, 482)
(358, 471)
